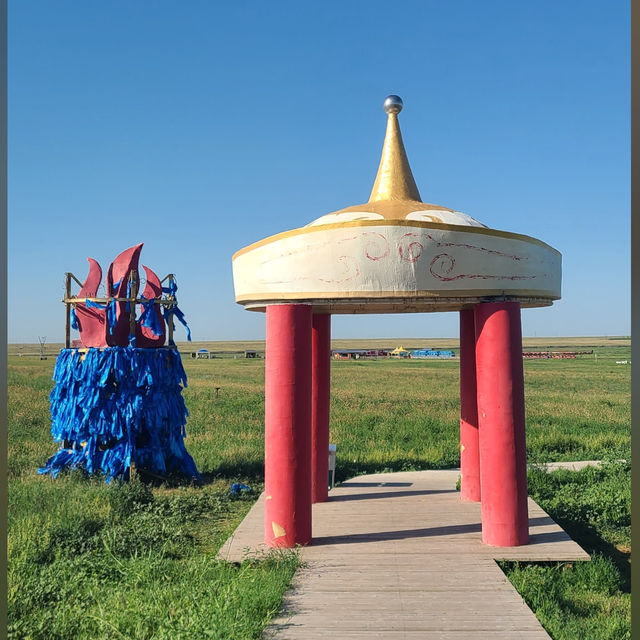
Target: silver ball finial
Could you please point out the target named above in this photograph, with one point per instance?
(392, 104)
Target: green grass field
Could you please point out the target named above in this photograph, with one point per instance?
(91, 561)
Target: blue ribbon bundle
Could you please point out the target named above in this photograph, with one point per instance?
(235, 488)
(149, 318)
(115, 406)
(168, 314)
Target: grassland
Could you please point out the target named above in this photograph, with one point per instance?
(91, 561)
(238, 346)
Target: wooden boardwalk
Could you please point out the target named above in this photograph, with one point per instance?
(400, 556)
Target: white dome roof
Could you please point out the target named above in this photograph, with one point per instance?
(395, 254)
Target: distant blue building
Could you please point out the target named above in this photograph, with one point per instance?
(431, 353)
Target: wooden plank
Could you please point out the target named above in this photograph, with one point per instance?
(286, 633)
(361, 621)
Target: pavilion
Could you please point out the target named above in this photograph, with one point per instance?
(395, 254)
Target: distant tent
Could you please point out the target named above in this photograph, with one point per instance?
(400, 352)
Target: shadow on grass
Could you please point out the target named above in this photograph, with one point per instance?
(247, 471)
(348, 470)
(253, 471)
(588, 538)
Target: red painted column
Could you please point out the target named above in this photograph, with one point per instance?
(287, 409)
(503, 463)
(320, 397)
(469, 452)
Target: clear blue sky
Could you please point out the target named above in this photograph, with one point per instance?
(200, 127)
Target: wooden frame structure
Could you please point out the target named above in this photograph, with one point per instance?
(168, 301)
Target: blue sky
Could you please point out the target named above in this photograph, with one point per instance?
(200, 127)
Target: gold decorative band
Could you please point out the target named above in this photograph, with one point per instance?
(394, 223)
(395, 302)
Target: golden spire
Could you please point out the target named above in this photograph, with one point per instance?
(394, 180)
(394, 194)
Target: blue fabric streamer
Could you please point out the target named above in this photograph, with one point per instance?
(119, 406)
(172, 288)
(169, 313)
(112, 315)
(149, 317)
(175, 311)
(74, 319)
(128, 304)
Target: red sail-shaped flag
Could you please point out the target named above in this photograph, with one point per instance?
(118, 287)
(92, 321)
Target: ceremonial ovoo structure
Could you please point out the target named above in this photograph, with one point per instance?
(117, 403)
(395, 254)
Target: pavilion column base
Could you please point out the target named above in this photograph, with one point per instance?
(320, 401)
(469, 451)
